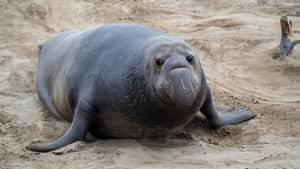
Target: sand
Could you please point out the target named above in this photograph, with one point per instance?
(234, 39)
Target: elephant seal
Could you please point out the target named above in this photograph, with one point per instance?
(124, 81)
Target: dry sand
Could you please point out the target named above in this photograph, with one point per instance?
(234, 39)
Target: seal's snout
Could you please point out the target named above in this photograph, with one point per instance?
(179, 87)
(184, 86)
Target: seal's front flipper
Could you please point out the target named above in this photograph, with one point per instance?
(234, 116)
(77, 131)
(228, 117)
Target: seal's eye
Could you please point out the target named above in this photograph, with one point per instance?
(189, 58)
(159, 61)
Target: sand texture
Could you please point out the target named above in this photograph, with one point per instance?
(235, 40)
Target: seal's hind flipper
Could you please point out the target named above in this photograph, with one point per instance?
(77, 131)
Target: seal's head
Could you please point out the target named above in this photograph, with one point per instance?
(173, 71)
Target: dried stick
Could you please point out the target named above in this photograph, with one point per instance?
(286, 42)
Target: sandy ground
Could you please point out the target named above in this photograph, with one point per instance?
(234, 39)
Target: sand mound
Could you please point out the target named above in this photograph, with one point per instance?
(234, 40)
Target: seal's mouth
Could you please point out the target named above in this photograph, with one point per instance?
(179, 66)
(166, 100)
(163, 97)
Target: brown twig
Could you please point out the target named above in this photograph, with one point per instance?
(286, 42)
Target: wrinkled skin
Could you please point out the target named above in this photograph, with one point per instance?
(124, 81)
(177, 81)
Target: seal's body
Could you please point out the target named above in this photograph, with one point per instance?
(124, 80)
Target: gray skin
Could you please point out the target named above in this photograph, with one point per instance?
(124, 81)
